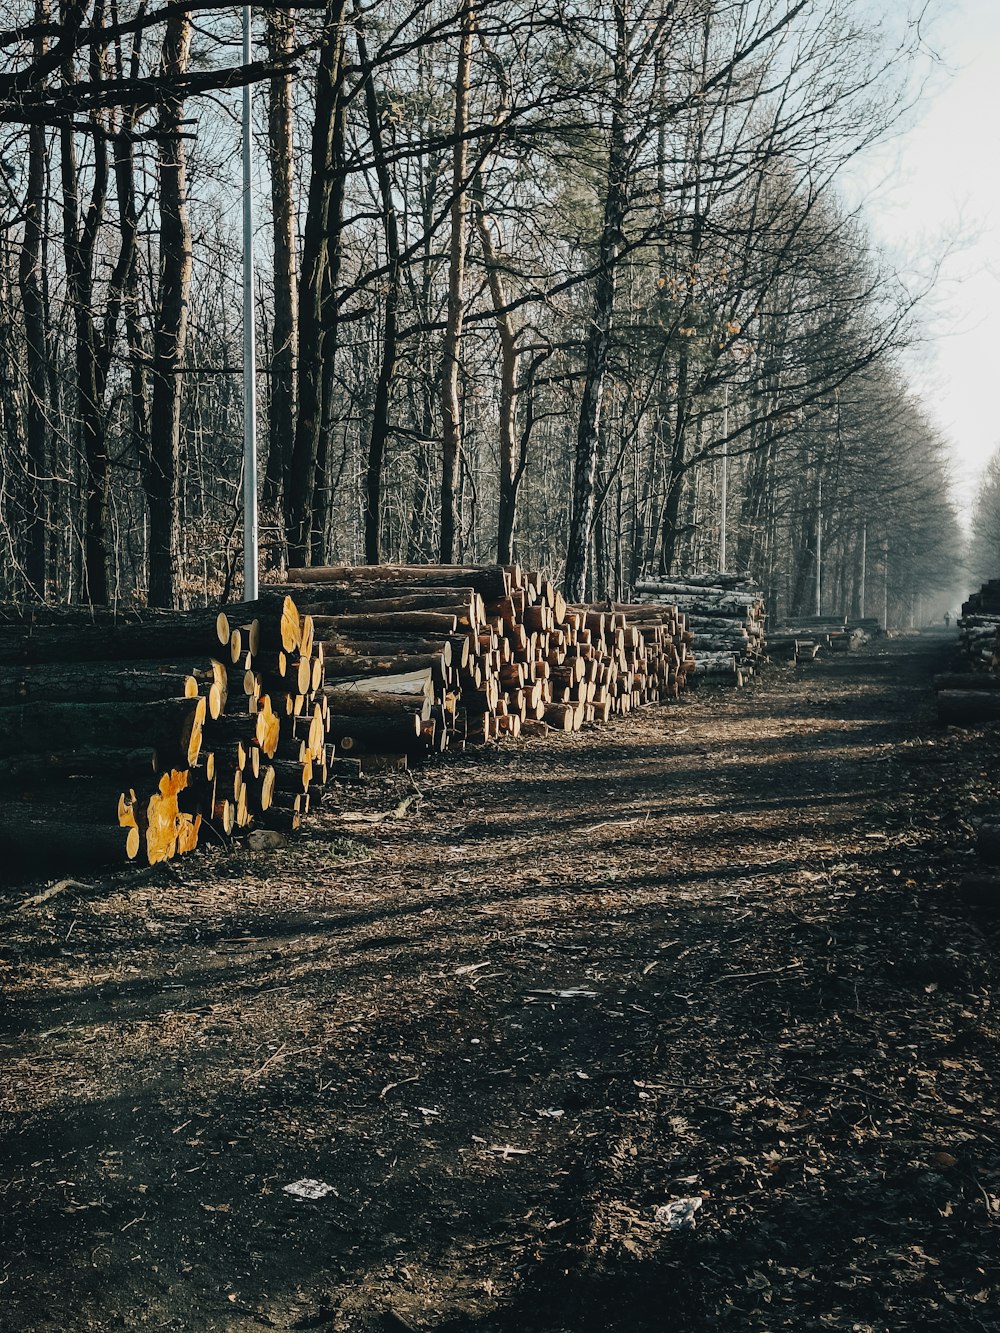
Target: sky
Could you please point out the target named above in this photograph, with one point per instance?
(933, 193)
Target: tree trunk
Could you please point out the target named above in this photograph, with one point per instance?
(509, 471)
(284, 337)
(125, 294)
(380, 412)
(331, 396)
(300, 468)
(451, 411)
(79, 241)
(599, 336)
(122, 291)
(170, 332)
(36, 347)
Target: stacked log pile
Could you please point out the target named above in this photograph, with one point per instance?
(979, 628)
(128, 736)
(802, 639)
(725, 617)
(421, 658)
(972, 694)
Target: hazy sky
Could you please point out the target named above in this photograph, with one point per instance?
(937, 185)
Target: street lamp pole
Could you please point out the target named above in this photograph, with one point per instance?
(724, 486)
(819, 539)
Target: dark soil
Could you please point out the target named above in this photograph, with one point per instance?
(714, 952)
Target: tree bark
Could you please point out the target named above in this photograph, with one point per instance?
(79, 241)
(36, 346)
(599, 335)
(380, 411)
(123, 295)
(510, 473)
(314, 343)
(451, 410)
(285, 333)
(170, 333)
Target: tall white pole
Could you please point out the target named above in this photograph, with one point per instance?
(250, 521)
(724, 486)
(864, 564)
(819, 541)
(885, 587)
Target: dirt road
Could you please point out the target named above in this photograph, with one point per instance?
(711, 953)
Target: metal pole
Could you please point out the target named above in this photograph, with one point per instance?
(819, 541)
(864, 564)
(250, 521)
(885, 587)
(724, 487)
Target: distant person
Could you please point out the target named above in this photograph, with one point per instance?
(947, 619)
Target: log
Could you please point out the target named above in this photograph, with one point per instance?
(125, 765)
(698, 597)
(172, 726)
(968, 707)
(395, 622)
(720, 643)
(366, 703)
(468, 606)
(383, 763)
(489, 581)
(110, 681)
(560, 716)
(379, 618)
(715, 664)
(279, 615)
(396, 734)
(244, 640)
(386, 645)
(165, 829)
(966, 680)
(159, 639)
(38, 844)
(260, 791)
(79, 616)
(223, 818)
(363, 667)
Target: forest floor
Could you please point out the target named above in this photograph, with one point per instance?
(712, 952)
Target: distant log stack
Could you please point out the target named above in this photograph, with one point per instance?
(424, 658)
(803, 638)
(972, 694)
(979, 628)
(725, 621)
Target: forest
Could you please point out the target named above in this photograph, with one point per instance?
(572, 283)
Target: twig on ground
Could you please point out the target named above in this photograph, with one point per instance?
(389, 1086)
(280, 1054)
(749, 976)
(50, 892)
